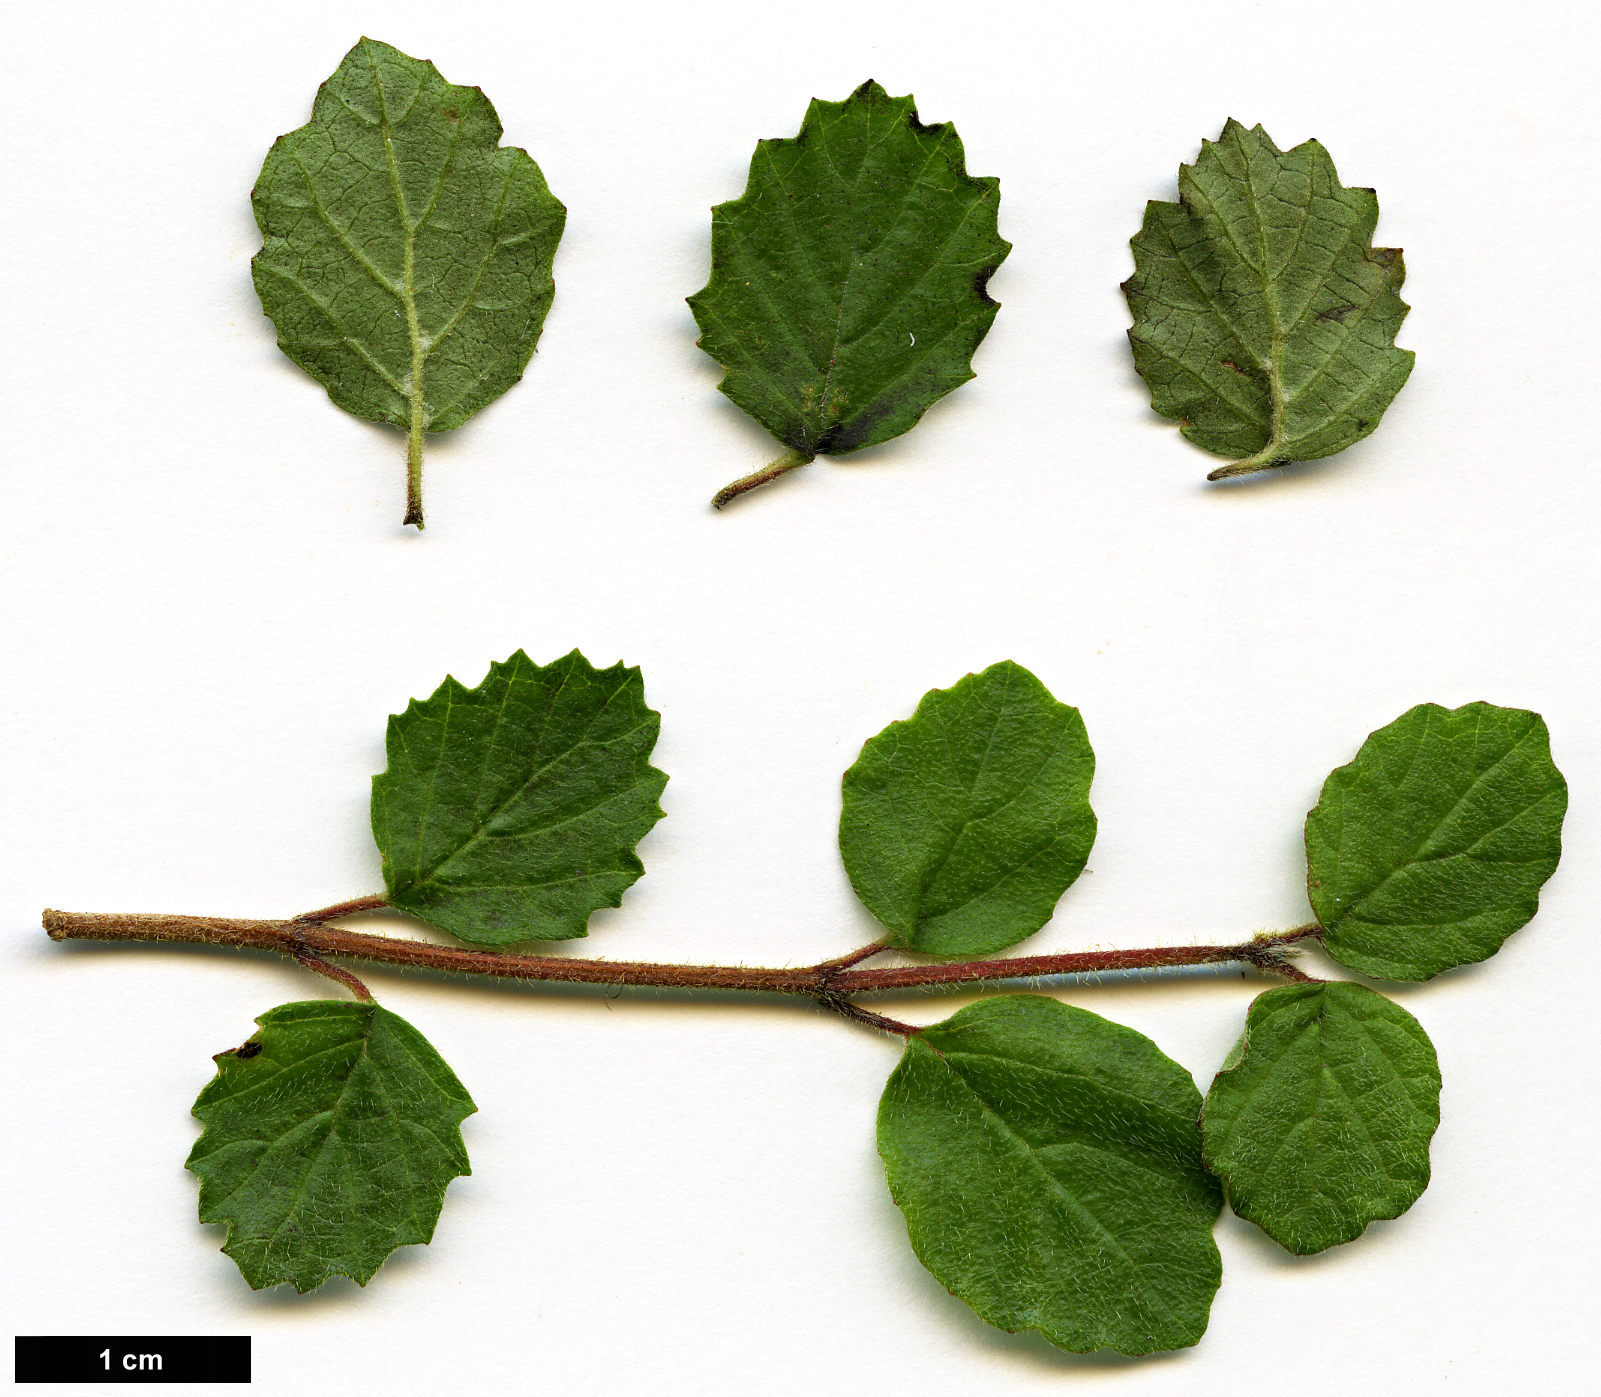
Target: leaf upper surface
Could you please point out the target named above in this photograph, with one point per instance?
(1320, 1124)
(1430, 849)
(406, 256)
(847, 287)
(510, 812)
(1049, 1167)
(963, 826)
(330, 1138)
(1264, 318)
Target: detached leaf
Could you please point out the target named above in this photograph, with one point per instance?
(847, 288)
(963, 826)
(1050, 1171)
(1429, 849)
(1320, 1121)
(510, 812)
(406, 255)
(1264, 318)
(330, 1138)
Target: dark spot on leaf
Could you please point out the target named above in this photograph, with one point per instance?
(1230, 364)
(246, 1050)
(848, 436)
(1337, 313)
(1362, 422)
(981, 281)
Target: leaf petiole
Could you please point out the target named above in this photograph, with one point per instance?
(414, 468)
(790, 460)
(312, 961)
(1270, 457)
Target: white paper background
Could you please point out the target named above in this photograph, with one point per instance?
(211, 608)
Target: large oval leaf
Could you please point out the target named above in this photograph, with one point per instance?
(330, 1137)
(1049, 1167)
(847, 287)
(962, 826)
(1264, 318)
(406, 255)
(1430, 848)
(510, 812)
(1320, 1121)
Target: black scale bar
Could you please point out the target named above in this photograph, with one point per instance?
(103, 1358)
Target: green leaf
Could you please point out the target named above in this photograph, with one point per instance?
(406, 255)
(963, 826)
(1320, 1121)
(1429, 849)
(1050, 1171)
(847, 288)
(510, 812)
(330, 1137)
(1264, 318)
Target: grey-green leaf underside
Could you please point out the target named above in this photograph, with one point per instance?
(1430, 848)
(330, 1138)
(1264, 318)
(847, 291)
(1320, 1122)
(962, 826)
(1049, 1167)
(510, 812)
(406, 255)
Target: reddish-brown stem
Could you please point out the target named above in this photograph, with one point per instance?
(1261, 951)
(308, 941)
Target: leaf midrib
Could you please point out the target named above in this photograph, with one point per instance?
(827, 419)
(1270, 295)
(825, 412)
(408, 233)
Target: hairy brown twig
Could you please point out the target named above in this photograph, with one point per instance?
(308, 940)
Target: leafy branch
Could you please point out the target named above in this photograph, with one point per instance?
(1057, 1171)
(308, 940)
